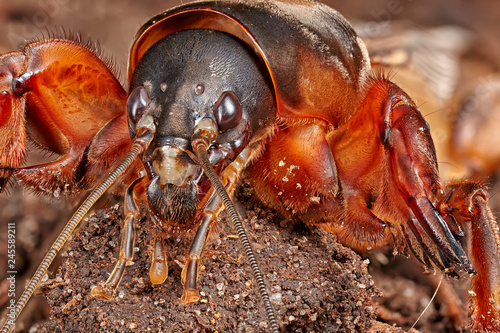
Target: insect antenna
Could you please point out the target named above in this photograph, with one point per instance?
(138, 146)
(200, 147)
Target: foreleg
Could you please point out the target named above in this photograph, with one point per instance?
(211, 208)
(61, 95)
(106, 291)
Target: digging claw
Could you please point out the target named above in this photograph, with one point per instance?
(432, 231)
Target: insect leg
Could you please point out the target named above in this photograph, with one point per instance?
(467, 203)
(296, 171)
(229, 178)
(386, 160)
(414, 173)
(190, 271)
(106, 291)
(61, 94)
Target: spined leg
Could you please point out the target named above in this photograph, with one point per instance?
(386, 160)
(106, 291)
(413, 177)
(467, 203)
(405, 190)
(69, 95)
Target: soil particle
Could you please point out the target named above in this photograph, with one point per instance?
(315, 284)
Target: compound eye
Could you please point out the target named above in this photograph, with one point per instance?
(136, 104)
(228, 111)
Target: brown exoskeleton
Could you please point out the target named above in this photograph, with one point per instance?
(208, 86)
